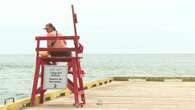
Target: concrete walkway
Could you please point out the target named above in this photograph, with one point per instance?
(133, 95)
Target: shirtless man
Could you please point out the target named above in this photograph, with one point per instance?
(51, 32)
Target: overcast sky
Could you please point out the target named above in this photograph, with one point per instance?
(105, 26)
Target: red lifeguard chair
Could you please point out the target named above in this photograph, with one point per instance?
(76, 84)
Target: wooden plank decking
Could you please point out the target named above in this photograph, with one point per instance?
(131, 95)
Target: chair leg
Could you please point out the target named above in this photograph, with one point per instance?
(42, 89)
(35, 83)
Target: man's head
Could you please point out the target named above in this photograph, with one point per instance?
(49, 27)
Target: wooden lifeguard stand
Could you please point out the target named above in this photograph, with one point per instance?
(75, 85)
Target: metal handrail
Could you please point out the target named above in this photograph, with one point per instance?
(7, 99)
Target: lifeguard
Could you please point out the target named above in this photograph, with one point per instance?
(51, 32)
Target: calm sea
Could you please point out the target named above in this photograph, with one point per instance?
(16, 71)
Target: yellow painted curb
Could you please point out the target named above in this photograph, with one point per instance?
(184, 79)
(98, 82)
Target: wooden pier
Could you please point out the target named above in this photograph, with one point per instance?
(131, 94)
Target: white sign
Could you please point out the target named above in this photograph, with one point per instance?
(55, 77)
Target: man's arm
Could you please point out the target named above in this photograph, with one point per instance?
(49, 42)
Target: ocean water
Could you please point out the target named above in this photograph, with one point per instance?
(16, 71)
